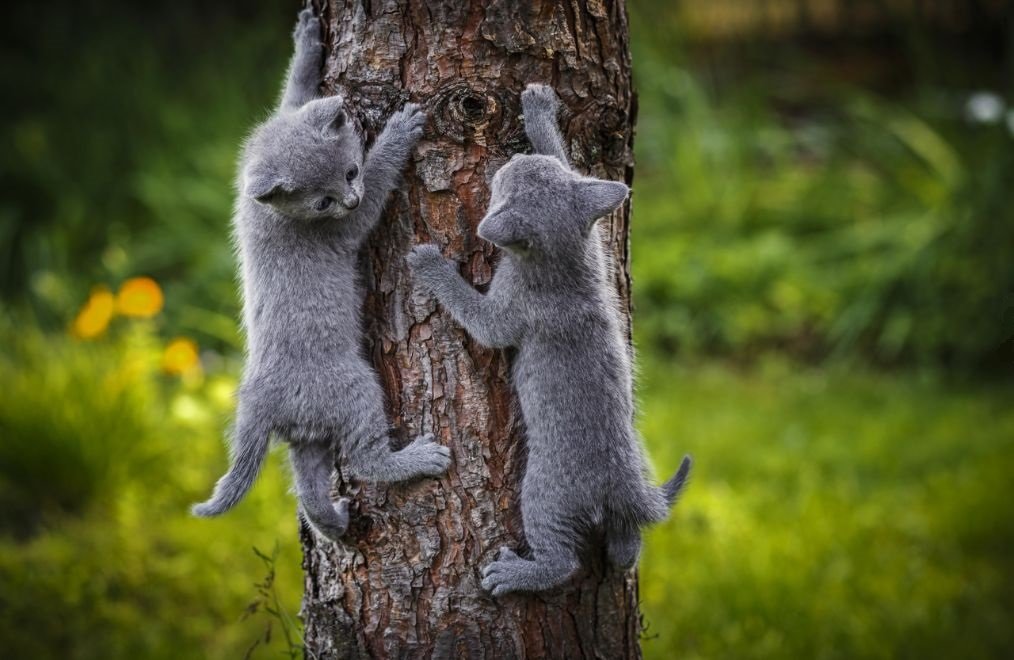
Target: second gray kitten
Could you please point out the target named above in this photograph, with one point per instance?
(551, 299)
(307, 201)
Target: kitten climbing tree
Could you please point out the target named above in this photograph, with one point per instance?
(406, 584)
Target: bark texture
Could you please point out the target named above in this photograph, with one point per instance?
(406, 585)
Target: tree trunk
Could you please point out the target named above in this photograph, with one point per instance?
(406, 584)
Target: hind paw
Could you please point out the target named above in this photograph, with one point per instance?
(429, 458)
(504, 575)
(334, 528)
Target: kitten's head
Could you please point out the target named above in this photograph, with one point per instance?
(307, 164)
(540, 207)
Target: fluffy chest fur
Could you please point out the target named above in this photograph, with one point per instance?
(302, 295)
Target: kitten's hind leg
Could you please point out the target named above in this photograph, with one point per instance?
(511, 573)
(312, 465)
(366, 446)
(554, 560)
(623, 546)
(373, 459)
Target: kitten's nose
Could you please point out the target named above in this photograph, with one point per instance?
(350, 201)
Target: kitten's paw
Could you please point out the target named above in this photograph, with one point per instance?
(341, 507)
(429, 458)
(504, 575)
(623, 550)
(540, 99)
(408, 123)
(335, 526)
(307, 30)
(429, 266)
(425, 257)
(506, 554)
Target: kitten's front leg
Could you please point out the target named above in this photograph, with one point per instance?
(302, 84)
(541, 106)
(383, 166)
(490, 323)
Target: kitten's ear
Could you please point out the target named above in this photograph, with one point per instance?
(328, 113)
(598, 198)
(263, 185)
(501, 228)
(335, 123)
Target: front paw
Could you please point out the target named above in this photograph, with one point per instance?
(427, 264)
(540, 99)
(425, 257)
(405, 126)
(307, 32)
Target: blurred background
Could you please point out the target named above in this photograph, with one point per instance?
(823, 260)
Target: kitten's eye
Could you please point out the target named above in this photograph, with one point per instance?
(351, 175)
(324, 203)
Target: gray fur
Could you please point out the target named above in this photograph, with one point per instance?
(306, 379)
(551, 299)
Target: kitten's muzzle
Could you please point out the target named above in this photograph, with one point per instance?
(350, 201)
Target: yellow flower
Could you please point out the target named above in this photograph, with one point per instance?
(139, 296)
(180, 357)
(94, 317)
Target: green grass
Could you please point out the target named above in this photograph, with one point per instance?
(833, 514)
(102, 456)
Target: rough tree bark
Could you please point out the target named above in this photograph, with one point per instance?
(406, 585)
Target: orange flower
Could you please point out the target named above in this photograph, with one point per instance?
(139, 296)
(94, 317)
(180, 357)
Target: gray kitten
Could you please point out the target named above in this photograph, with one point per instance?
(307, 201)
(551, 299)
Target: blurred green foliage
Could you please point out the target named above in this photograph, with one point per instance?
(784, 208)
(102, 456)
(121, 144)
(834, 513)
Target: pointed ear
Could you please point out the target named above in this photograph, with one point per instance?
(599, 198)
(328, 114)
(263, 184)
(501, 228)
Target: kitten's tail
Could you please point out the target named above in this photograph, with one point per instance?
(672, 489)
(250, 446)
